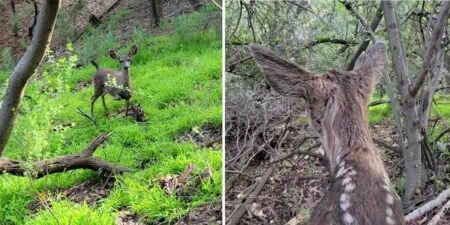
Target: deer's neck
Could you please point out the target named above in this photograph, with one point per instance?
(126, 77)
(346, 135)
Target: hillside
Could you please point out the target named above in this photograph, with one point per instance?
(176, 79)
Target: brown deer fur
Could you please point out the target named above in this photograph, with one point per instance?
(115, 83)
(360, 192)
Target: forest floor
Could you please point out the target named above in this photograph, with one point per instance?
(177, 82)
(298, 183)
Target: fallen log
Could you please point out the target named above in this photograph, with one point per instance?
(82, 160)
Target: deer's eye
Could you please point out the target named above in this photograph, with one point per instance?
(121, 60)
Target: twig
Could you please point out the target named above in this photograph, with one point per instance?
(236, 216)
(433, 45)
(441, 135)
(305, 152)
(349, 7)
(387, 146)
(379, 102)
(219, 6)
(87, 116)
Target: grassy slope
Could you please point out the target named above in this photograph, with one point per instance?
(177, 82)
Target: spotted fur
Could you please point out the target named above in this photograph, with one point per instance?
(359, 192)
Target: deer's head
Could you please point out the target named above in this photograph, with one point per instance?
(337, 100)
(125, 61)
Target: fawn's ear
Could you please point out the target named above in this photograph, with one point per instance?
(370, 67)
(286, 77)
(113, 54)
(132, 51)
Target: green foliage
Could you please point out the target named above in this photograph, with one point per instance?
(57, 71)
(89, 47)
(379, 112)
(193, 27)
(16, 23)
(6, 59)
(65, 29)
(179, 88)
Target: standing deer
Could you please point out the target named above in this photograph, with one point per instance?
(360, 192)
(115, 83)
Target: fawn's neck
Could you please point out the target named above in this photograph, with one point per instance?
(126, 77)
(346, 136)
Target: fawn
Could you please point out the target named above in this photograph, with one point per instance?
(360, 192)
(115, 83)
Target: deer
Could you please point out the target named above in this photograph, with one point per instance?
(359, 191)
(115, 83)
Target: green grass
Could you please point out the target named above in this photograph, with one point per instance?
(178, 84)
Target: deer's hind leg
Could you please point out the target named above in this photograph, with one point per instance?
(104, 105)
(127, 104)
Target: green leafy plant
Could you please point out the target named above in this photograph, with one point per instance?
(56, 71)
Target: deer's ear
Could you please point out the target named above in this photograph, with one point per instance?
(113, 54)
(371, 66)
(286, 77)
(132, 51)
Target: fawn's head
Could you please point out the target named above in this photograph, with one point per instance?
(337, 100)
(125, 61)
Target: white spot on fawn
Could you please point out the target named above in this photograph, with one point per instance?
(343, 171)
(347, 180)
(352, 173)
(389, 211)
(348, 219)
(349, 187)
(389, 199)
(390, 221)
(345, 202)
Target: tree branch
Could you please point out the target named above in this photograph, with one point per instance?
(433, 44)
(350, 8)
(82, 160)
(363, 46)
(329, 40)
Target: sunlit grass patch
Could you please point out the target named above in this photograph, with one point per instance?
(176, 81)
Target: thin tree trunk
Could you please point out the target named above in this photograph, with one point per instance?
(156, 11)
(25, 68)
(412, 156)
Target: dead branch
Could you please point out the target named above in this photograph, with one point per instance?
(329, 40)
(379, 102)
(236, 216)
(439, 215)
(441, 198)
(387, 146)
(82, 160)
(305, 152)
(441, 135)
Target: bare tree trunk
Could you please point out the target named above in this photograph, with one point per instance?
(156, 11)
(412, 156)
(25, 68)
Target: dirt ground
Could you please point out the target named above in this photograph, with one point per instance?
(297, 185)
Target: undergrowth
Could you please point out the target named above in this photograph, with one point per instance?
(176, 80)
